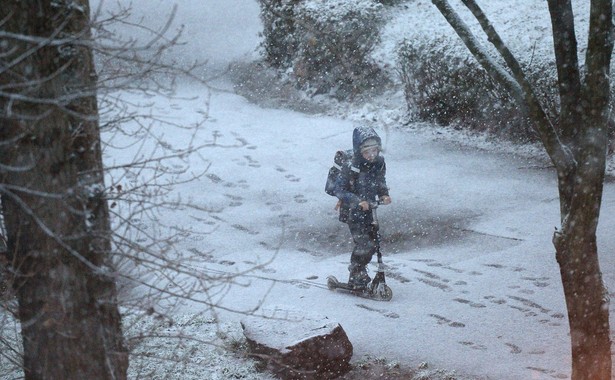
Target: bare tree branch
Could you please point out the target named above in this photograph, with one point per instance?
(516, 84)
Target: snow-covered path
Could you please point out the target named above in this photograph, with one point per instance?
(467, 239)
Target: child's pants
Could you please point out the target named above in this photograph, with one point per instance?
(364, 237)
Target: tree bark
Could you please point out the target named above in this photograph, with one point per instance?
(567, 62)
(52, 191)
(586, 297)
(586, 108)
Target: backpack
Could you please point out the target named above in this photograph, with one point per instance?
(341, 159)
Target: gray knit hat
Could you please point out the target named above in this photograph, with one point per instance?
(369, 143)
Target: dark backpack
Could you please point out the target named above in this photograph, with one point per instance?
(341, 159)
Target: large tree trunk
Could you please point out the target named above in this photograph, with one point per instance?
(577, 255)
(54, 210)
(583, 127)
(586, 298)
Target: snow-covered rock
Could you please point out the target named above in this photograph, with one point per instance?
(299, 347)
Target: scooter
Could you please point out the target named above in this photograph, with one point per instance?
(377, 289)
(378, 286)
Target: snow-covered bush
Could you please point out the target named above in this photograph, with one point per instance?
(449, 87)
(325, 44)
(278, 34)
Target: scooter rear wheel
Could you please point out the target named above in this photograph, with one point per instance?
(332, 282)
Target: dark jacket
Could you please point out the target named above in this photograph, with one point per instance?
(361, 180)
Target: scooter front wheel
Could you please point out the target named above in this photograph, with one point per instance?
(383, 292)
(386, 294)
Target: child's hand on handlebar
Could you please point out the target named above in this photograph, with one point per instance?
(364, 205)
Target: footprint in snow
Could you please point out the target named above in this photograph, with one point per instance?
(300, 198)
(495, 300)
(473, 345)
(235, 200)
(549, 372)
(514, 349)
(214, 178)
(434, 280)
(397, 276)
(244, 229)
(252, 162)
(539, 282)
(292, 178)
(445, 321)
(497, 266)
(468, 302)
(385, 313)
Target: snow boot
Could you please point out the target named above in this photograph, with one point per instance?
(358, 278)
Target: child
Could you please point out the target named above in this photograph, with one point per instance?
(359, 184)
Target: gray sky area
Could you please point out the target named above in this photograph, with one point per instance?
(219, 31)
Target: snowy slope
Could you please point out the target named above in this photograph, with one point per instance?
(476, 287)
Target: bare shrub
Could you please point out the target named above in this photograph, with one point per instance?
(444, 86)
(326, 45)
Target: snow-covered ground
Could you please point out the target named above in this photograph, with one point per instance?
(467, 241)
(467, 238)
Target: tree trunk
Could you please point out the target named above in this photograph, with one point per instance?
(587, 304)
(53, 202)
(586, 297)
(583, 119)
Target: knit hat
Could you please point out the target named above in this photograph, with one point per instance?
(369, 143)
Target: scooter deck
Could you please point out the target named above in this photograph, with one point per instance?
(382, 293)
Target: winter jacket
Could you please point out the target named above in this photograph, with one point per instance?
(361, 180)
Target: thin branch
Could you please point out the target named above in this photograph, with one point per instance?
(598, 56)
(567, 62)
(516, 84)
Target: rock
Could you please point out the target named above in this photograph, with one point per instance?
(298, 347)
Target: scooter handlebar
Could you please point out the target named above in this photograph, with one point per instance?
(373, 205)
